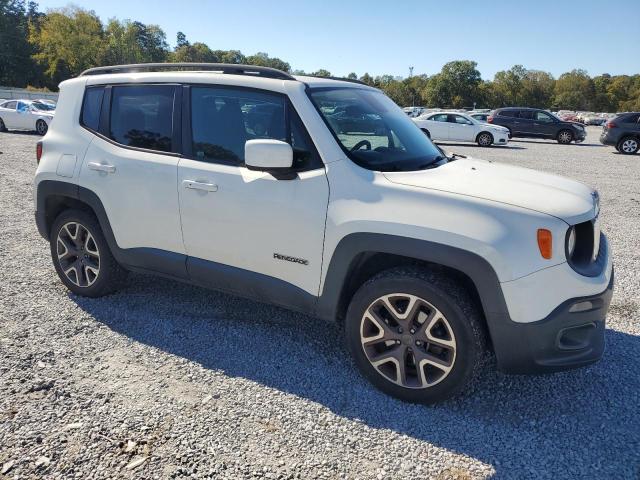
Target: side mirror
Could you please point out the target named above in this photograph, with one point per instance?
(268, 155)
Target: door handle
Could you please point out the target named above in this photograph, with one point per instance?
(194, 185)
(101, 167)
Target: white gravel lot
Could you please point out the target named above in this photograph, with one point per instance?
(165, 380)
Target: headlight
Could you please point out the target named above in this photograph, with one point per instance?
(571, 242)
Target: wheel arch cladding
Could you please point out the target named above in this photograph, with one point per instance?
(353, 263)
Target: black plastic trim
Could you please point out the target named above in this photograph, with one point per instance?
(536, 347)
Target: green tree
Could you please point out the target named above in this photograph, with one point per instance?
(264, 60)
(133, 42)
(366, 78)
(16, 66)
(198, 53)
(352, 76)
(321, 73)
(574, 90)
(68, 41)
(457, 85)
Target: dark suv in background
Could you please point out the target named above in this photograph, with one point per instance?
(623, 132)
(535, 123)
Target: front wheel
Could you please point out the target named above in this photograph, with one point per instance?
(628, 145)
(82, 257)
(565, 137)
(3, 127)
(426, 132)
(42, 127)
(485, 139)
(415, 335)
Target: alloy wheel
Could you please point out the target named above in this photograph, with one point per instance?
(408, 340)
(78, 254)
(565, 137)
(629, 146)
(41, 127)
(484, 139)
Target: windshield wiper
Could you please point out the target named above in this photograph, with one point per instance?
(456, 155)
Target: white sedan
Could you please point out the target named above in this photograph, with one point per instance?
(459, 127)
(26, 115)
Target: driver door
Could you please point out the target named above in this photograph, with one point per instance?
(245, 231)
(461, 129)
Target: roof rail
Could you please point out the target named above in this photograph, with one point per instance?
(227, 68)
(342, 79)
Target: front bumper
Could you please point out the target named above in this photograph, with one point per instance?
(580, 135)
(571, 336)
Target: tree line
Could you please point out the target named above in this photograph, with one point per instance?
(40, 50)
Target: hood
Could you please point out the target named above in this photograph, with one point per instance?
(560, 197)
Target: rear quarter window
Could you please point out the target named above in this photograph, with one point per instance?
(508, 113)
(91, 106)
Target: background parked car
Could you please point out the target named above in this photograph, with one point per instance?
(25, 115)
(623, 132)
(455, 126)
(481, 117)
(536, 123)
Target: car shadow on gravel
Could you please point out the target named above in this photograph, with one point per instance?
(583, 420)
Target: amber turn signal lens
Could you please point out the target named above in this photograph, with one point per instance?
(545, 243)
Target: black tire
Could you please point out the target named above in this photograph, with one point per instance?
(484, 139)
(565, 137)
(42, 127)
(110, 274)
(628, 145)
(3, 127)
(471, 350)
(426, 132)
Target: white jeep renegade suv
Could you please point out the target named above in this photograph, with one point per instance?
(322, 196)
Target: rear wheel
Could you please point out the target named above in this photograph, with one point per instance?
(415, 335)
(42, 127)
(485, 139)
(565, 137)
(628, 145)
(82, 257)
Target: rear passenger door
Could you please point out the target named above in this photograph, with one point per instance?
(523, 124)
(247, 231)
(439, 126)
(9, 115)
(132, 166)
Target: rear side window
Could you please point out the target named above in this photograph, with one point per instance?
(633, 118)
(441, 117)
(91, 106)
(142, 116)
(526, 114)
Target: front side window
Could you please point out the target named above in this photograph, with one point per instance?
(373, 131)
(461, 120)
(542, 117)
(223, 119)
(142, 116)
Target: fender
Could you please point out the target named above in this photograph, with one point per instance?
(474, 266)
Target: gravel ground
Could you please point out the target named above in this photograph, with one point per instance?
(165, 380)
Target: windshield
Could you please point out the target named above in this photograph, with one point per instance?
(46, 107)
(373, 131)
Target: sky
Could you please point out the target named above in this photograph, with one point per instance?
(388, 37)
